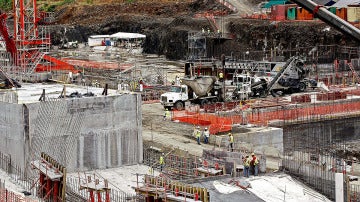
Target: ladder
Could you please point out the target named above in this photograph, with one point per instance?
(354, 72)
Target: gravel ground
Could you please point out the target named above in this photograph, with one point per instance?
(168, 133)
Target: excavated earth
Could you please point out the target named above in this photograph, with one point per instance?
(166, 26)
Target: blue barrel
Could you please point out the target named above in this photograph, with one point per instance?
(107, 43)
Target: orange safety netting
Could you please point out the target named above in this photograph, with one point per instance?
(217, 123)
(301, 112)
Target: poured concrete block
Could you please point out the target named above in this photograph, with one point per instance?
(80, 133)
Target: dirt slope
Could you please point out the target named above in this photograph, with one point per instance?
(80, 14)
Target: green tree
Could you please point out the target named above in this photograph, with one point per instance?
(5, 5)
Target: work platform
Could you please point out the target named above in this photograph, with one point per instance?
(51, 172)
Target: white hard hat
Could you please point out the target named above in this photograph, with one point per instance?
(197, 126)
(205, 128)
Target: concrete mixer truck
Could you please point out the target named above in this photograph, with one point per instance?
(207, 89)
(197, 90)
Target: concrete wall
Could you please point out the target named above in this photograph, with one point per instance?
(12, 136)
(268, 141)
(80, 133)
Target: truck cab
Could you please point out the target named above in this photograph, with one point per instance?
(176, 97)
(242, 84)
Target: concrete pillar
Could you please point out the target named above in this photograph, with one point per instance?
(339, 187)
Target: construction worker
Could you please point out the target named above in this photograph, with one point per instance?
(161, 161)
(197, 134)
(254, 163)
(151, 170)
(221, 76)
(177, 80)
(166, 114)
(231, 142)
(246, 162)
(206, 135)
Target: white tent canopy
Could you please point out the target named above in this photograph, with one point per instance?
(345, 3)
(321, 2)
(98, 40)
(127, 35)
(99, 36)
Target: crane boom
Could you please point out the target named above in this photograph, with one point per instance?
(9, 42)
(330, 18)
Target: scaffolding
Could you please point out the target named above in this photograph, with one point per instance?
(183, 166)
(52, 178)
(196, 45)
(26, 49)
(155, 188)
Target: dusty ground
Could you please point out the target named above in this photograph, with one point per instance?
(168, 133)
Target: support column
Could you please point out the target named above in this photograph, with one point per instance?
(48, 187)
(56, 191)
(99, 196)
(107, 195)
(339, 187)
(92, 199)
(42, 183)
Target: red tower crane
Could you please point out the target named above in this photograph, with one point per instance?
(9, 42)
(30, 41)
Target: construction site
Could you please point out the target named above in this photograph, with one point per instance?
(93, 111)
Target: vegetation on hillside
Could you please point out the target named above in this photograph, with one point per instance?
(5, 5)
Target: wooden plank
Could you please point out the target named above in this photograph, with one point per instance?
(50, 172)
(211, 171)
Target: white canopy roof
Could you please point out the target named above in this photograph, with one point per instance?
(99, 36)
(127, 35)
(345, 3)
